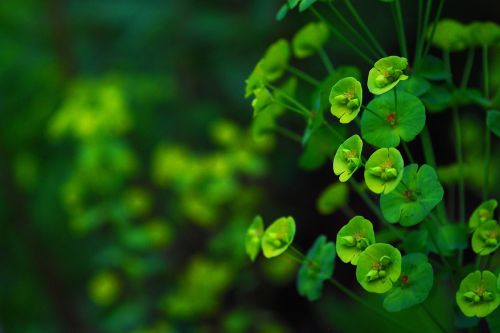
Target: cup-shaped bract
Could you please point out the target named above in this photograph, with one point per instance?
(483, 33)
(386, 74)
(316, 268)
(332, 198)
(346, 97)
(414, 284)
(414, 198)
(278, 237)
(379, 267)
(254, 237)
(262, 99)
(389, 119)
(449, 35)
(310, 39)
(482, 214)
(354, 238)
(348, 158)
(486, 238)
(384, 170)
(478, 295)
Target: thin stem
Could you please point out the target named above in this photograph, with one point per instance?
(408, 152)
(401, 27)
(304, 76)
(304, 111)
(487, 135)
(434, 25)
(468, 67)
(294, 258)
(287, 133)
(363, 26)
(326, 60)
(489, 259)
(341, 36)
(459, 154)
(298, 252)
(433, 318)
(419, 28)
(421, 41)
(373, 112)
(290, 107)
(334, 132)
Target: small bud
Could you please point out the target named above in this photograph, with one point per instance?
(372, 275)
(347, 153)
(385, 260)
(341, 99)
(348, 240)
(470, 296)
(477, 299)
(352, 163)
(362, 243)
(381, 273)
(277, 243)
(381, 81)
(488, 296)
(353, 104)
(492, 242)
(397, 73)
(485, 235)
(376, 171)
(484, 215)
(391, 173)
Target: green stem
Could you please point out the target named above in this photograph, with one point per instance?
(341, 36)
(302, 109)
(334, 132)
(326, 60)
(468, 67)
(408, 152)
(298, 252)
(434, 25)
(373, 112)
(304, 76)
(459, 154)
(363, 26)
(487, 135)
(287, 133)
(401, 27)
(419, 28)
(421, 41)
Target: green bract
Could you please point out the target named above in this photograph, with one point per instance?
(278, 237)
(478, 295)
(310, 39)
(332, 198)
(483, 33)
(317, 267)
(482, 213)
(386, 74)
(493, 121)
(379, 267)
(414, 284)
(384, 170)
(450, 35)
(414, 198)
(254, 237)
(389, 118)
(348, 158)
(354, 238)
(486, 238)
(346, 97)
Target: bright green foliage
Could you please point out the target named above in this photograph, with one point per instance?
(316, 268)
(353, 238)
(384, 170)
(493, 121)
(348, 158)
(482, 213)
(104, 288)
(414, 284)
(379, 267)
(415, 85)
(254, 237)
(310, 39)
(483, 33)
(346, 98)
(450, 35)
(449, 238)
(332, 198)
(305, 4)
(433, 68)
(263, 98)
(486, 238)
(278, 237)
(389, 118)
(386, 74)
(478, 294)
(414, 198)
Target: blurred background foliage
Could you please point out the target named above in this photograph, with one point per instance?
(129, 173)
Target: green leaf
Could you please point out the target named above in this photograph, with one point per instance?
(432, 68)
(332, 198)
(384, 170)
(353, 238)
(310, 39)
(414, 198)
(316, 268)
(493, 121)
(348, 158)
(276, 60)
(414, 284)
(483, 33)
(415, 241)
(478, 295)
(278, 237)
(319, 148)
(346, 98)
(282, 12)
(482, 213)
(305, 4)
(449, 237)
(293, 3)
(379, 267)
(254, 237)
(388, 119)
(415, 85)
(486, 238)
(386, 74)
(449, 35)
(437, 98)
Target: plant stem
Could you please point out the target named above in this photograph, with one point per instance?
(363, 26)
(487, 135)
(298, 252)
(420, 35)
(287, 133)
(326, 60)
(401, 27)
(302, 109)
(304, 76)
(421, 41)
(434, 25)
(408, 152)
(468, 67)
(341, 36)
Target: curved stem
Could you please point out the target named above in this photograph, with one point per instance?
(408, 152)
(401, 26)
(304, 76)
(420, 35)
(421, 41)
(287, 133)
(468, 67)
(326, 60)
(487, 135)
(434, 25)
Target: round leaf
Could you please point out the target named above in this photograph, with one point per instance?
(386, 74)
(332, 198)
(449, 35)
(384, 170)
(254, 237)
(310, 39)
(478, 295)
(278, 237)
(354, 238)
(379, 267)
(483, 33)
(346, 98)
(486, 238)
(348, 158)
(482, 213)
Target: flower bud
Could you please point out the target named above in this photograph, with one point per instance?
(470, 296)
(353, 104)
(348, 240)
(492, 242)
(352, 163)
(488, 296)
(341, 99)
(381, 273)
(362, 243)
(381, 81)
(376, 171)
(391, 173)
(372, 275)
(385, 260)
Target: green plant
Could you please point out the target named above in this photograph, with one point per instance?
(410, 208)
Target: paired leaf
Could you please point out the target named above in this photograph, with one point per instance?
(317, 267)
(478, 295)
(449, 35)
(310, 39)
(486, 238)
(278, 237)
(379, 267)
(254, 237)
(482, 213)
(386, 74)
(391, 118)
(414, 198)
(332, 198)
(354, 238)
(348, 158)
(346, 98)
(384, 170)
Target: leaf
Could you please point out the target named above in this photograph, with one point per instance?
(493, 121)
(449, 35)
(332, 198)
(318, 149)
(483, 33)
(415, 241)
(449, 237)
(486, 238)
(317, 267)
(482, 213)
(310, 39)
(254, 237)
(386, 74)
(278, 237)
(384, 170)
(305, 4)
(432, 68)
(282, 12)
(437, 98)
(388, 119)
(414, 284)
(379, 267)
(293, 3)
(353, 238)
(414, 198)
(478, 295)
(415, 85)
(348, 158)
(346, 98)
